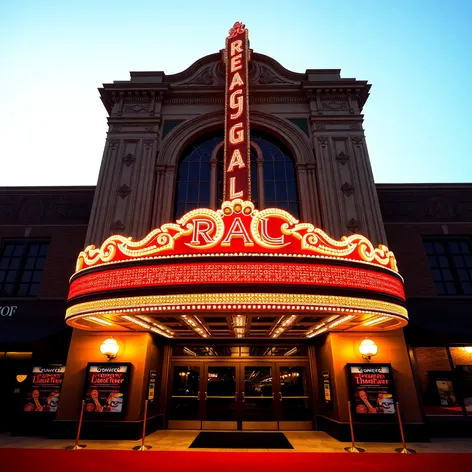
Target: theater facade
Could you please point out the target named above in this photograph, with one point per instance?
(236, 267)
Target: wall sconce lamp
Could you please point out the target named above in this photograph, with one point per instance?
(468, 349)
(109, 348)
(368, 349)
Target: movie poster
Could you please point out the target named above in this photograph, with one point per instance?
(106, 388)
(45, 389)
(372, 390)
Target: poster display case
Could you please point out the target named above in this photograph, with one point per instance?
(372, 391)
(106, 388)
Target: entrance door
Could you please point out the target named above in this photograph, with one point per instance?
(259, 409)
(222, 396)
(185, 396)
(245, 395)
(294, 396)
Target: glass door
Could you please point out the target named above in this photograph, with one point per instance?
(185, 397)
(221, 397)
(295, 397)
(258, 409)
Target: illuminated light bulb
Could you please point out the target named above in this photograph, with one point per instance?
(468, 349)
(109, 348)
(368, 349)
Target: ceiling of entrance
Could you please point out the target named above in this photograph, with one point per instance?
(251, 325)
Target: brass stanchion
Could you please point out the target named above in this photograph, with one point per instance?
(353, 447)
(403, 449)
(143, 446)
(77, 446)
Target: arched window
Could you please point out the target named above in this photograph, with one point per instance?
(200, 174)
(194, 175)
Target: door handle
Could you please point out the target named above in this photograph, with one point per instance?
(244, 396)
(199, 396)
(206, 396)
(280, 396)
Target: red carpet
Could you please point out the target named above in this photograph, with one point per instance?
(48, 460)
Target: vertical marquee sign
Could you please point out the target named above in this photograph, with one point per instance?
(237, 142)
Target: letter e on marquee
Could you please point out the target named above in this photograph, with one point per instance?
(237, 154)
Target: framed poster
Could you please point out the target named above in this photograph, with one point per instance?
(372, 390)
(106, 387)
(152, 385)
(442, 385)
(45, 390)
(327, 388)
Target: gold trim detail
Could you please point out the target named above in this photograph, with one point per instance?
(313, 242)
(236, 301)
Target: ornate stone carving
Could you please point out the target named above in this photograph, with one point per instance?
(357, 141)
(115, 128)
(151, 129)
(117, 226)
(268, 77)
(113, 144)
(137, 108)
(353, 225)
(204, 78)
(347, 189)
(124, 191)
(322, 140)
(335, 105)
(129, 159)
(320, 126)
(342, 158)
(148, 143)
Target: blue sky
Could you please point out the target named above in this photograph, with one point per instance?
(53, 55)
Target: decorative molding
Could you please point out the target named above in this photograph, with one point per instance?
(46, 207)
(320, 126)
(115, 128)
(347, 189)
(334, 105)
(124, 191)
(137, 108)
(357, 141)
(151, 129)
(148, 143)
(353, 225)
(342, 158)
(322, 140)
(268, 77)
(129, 159)
(117, 226)
(203, 78)
(113, 144)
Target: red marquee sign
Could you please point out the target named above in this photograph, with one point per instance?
(237, 229)
(237, 141)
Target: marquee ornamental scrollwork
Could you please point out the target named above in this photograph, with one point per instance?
(237, 229)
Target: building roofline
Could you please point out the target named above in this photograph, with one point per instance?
(46, 188)
(424, 186)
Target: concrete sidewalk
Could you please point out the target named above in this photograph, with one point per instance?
(302, 441)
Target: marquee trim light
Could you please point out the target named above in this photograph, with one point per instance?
(237, 229)
(230, 273)
(208, 302)
(196, 324)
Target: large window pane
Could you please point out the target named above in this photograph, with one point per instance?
(448, 259)
(22, 265)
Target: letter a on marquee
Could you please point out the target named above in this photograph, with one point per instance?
(236, 161)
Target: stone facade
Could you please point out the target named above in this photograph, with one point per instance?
(316, 114)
